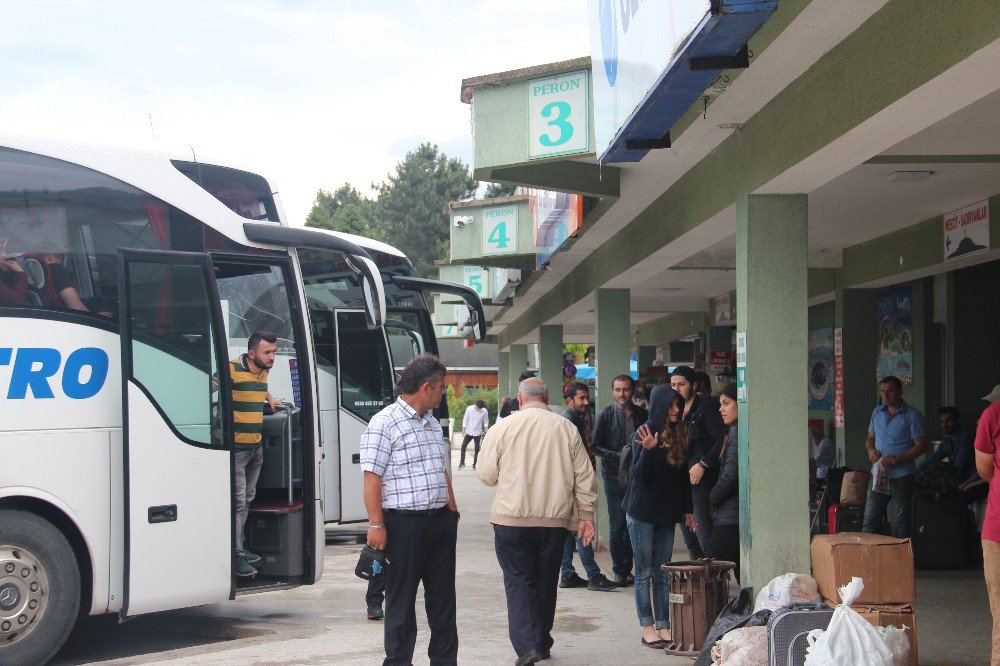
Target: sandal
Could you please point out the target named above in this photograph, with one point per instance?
(658, 644)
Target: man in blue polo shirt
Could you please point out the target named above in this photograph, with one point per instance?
(896, 436)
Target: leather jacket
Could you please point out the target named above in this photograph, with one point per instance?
(609, 436)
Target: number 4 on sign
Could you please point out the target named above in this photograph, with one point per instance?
(499, 236)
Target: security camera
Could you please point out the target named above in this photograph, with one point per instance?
(462, 220)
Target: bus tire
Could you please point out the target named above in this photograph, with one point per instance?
(39, 588)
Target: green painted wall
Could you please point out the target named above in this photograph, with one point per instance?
(467, 241)
(613, 333)
(550, 363)
(671, 327)
(976, 306)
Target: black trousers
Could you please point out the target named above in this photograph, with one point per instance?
(376, 592)
(529, 558)
(465, 444)
(420, 549)
(725, 545)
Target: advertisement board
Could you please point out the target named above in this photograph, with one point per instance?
(556, 216)
(631, 43)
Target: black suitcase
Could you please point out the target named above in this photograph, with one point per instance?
(787, 631)
(940, 530)
(845, 518)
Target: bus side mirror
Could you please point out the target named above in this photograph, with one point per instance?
(373, 291)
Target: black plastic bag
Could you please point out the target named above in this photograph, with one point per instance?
(737, 613)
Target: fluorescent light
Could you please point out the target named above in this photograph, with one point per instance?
(909, 176)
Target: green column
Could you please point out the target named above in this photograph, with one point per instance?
(771, 298)
(518, 364)
(550, 359)
(503, 375)
(646, 356)
(614, 332)
(856, 313)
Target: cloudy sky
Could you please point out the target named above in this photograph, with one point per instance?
(309, 93)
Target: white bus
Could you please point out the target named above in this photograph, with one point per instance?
(351, 367)
(127, 282)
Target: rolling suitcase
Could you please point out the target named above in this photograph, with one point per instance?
(787, 631)
(940, 530)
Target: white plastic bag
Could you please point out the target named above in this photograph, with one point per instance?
(898, 643)
(849, 638)
(790, 588)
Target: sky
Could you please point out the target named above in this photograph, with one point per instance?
(308, 93)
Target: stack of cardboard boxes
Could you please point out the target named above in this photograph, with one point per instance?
(885, 565)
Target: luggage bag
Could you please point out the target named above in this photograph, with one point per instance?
(845, 518)
(940, 530)
(787, 630)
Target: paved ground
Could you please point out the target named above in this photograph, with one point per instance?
(325, 623)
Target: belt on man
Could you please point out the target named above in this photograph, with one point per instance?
(416, 512)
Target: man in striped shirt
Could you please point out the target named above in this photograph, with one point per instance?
(249, 378)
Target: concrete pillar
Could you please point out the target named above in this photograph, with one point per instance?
(550, 359)
(503, 375)
(771, 297)
(646, 357)
(855, 312)
(614, 330)
(518, 364)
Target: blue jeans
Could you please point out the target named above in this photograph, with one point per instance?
(586, 556)
(652, 545)
(901, 494)
(620, 545)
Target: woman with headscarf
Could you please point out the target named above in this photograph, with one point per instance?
(658, 497)
(725, 495)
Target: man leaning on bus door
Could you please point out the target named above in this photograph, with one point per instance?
(249, 378)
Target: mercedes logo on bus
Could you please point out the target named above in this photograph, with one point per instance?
(9, 597)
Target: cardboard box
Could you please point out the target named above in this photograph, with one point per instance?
(884, 563)
(893, 615)
(897, 616)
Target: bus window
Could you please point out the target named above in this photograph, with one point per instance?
(63, 224)
(181, 354)
(255, 298)
(365, 374)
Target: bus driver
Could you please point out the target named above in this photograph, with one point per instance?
(249, 377)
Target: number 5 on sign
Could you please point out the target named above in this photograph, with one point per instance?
(558, 115)
(500, 230)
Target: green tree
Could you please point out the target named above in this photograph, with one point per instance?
(411, 204)
(496, 190)
(345, 210)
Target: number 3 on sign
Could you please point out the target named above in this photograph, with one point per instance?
(500, 229)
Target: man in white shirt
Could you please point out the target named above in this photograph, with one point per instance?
(474, 424)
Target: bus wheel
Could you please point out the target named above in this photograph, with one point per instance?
(39, 588)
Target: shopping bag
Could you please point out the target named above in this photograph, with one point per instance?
(849, 638)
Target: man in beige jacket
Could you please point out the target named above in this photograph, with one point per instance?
(545, 484)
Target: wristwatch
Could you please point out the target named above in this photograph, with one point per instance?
(376, 527)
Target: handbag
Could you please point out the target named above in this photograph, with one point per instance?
(371, 563)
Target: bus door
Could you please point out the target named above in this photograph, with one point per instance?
(365, 383)
(178, 537)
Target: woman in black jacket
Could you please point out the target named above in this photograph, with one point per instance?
(705, 433)
(658, 497)
(725, 496)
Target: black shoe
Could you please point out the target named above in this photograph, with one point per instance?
(461, 465)
(531, 657)
(546, 654)
(572, 581)
(600, 583)
(375, 613)
(624, 579)
(473, 467)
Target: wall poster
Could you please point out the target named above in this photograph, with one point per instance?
(821, 368)
(894, 318)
